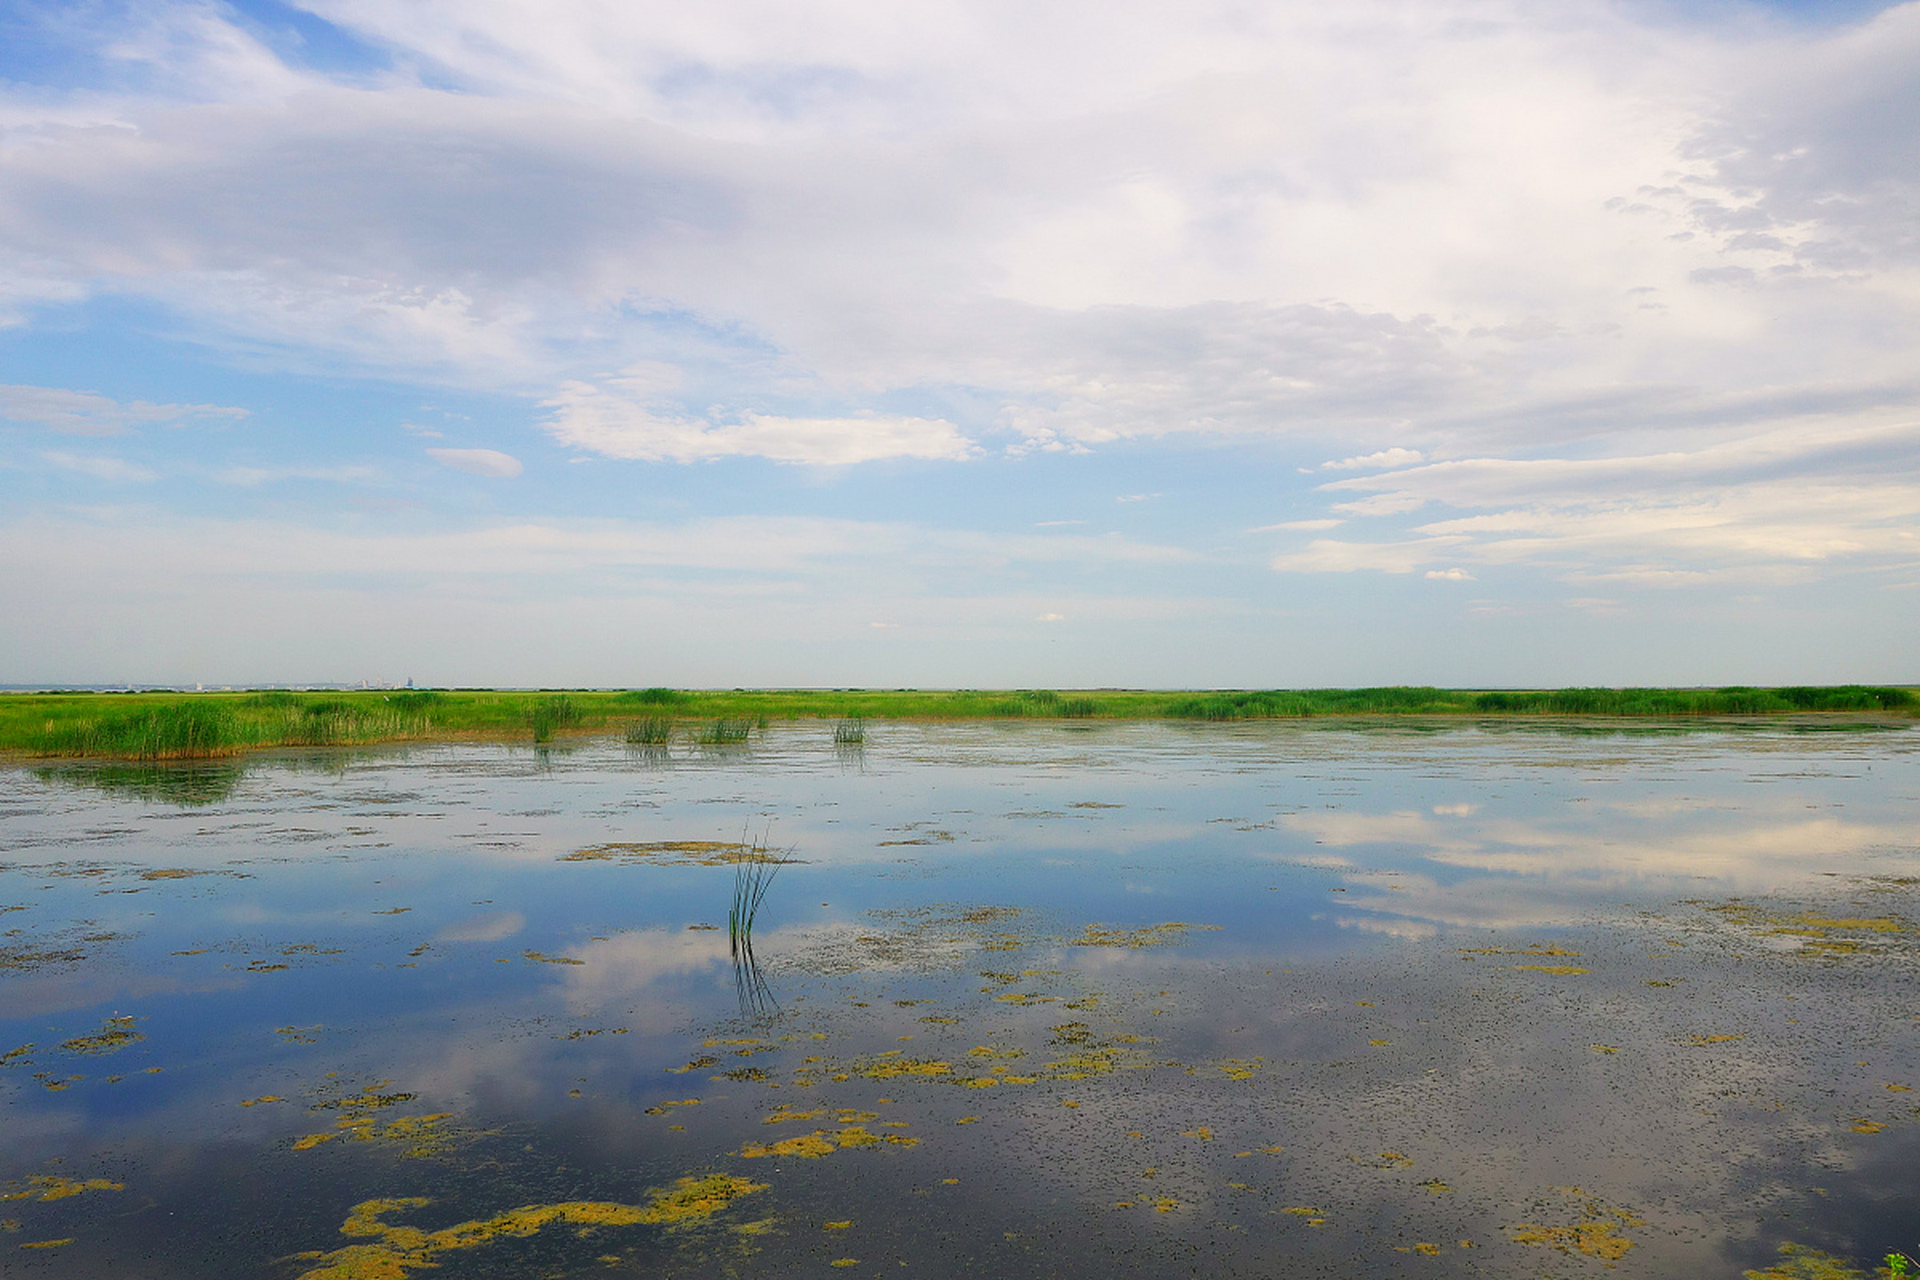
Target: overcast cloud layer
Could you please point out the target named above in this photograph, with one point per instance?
(1458, 341)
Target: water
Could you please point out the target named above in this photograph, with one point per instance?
(1122, 1000)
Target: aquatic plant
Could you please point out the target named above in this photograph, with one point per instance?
(554, 711)
(654, 731)
(753, 873)
(850, 732)
(725, 733)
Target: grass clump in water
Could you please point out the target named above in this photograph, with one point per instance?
(553, 712)
(850, 732)
(721, 733)
(653, 731)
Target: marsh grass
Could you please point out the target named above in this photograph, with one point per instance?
(653, 731)
(168, 726)
(725, 732)
(850, 732)
(553, 712)
(753, 871)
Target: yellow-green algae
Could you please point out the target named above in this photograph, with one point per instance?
(114, 1035)
(822, 1142)
(395, 1251)
(419, 1136)
(1171, 933)
(45, 1187)
(1596, 1234)
(1798, 1262)
(675, 853)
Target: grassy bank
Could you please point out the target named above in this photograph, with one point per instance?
(161, 726)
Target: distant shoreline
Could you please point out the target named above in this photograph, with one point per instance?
(171, 725)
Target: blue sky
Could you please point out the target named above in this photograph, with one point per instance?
(982, 344)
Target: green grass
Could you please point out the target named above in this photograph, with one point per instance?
(163, 726)
(650, 731)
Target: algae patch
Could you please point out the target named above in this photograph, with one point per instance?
(1596, 1233)
(48, 1187)
(114, 1035)
(394, 1251)
(674, 853)
(1170, 934)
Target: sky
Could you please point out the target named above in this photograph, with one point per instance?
(960, 344)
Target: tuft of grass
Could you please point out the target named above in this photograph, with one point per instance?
(753, 871)
(654, 731)
(725, 733)
(850, 732)
(654, 697)
(551, 712)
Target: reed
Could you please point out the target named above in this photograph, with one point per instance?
(850, 732)
(164, 726)
(725, 732)
(753, 871)
(554, 711)
(654, 731)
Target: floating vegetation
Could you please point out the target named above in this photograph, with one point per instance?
(394, 1250)
(1813, 933)
(114, 1035)
(1170, 934)
(418, 1136)
(1800, 1262)
(44, 1187)
(1596, 1234)
(540, 957)
(675, 853)
(822, 1142)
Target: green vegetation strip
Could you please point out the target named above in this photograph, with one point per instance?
(175, 726)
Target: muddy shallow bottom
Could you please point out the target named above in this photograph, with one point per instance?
(1132, 1000)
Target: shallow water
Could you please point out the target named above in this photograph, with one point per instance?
(1135, 1000)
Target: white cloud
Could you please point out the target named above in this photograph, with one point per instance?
(619, 426)
(1394, 457)
(479, 462)
(99, 466)
(1764, 506)
(84, 413)
(1303, 526)
(1449, 575)
(250, 476)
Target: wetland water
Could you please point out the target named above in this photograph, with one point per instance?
(1124, 1000)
